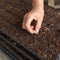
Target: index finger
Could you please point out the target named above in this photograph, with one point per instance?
(29, 27)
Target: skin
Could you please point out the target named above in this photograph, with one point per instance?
(37, 13)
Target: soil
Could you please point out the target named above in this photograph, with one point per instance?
(47, 42)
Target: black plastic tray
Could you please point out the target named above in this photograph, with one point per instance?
(15, 50)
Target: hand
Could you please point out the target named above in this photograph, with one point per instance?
(34, 14)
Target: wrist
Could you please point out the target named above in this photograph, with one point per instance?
(38, 4)
(38, 9)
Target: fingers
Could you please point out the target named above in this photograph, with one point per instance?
(30, 29)
(28, 18)
(24, 21)
(27, 24)
(38, 26)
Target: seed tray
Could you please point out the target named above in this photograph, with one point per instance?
(4, 55)
(15, 50)
(47, 42)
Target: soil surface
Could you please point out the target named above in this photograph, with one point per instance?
(47, 42)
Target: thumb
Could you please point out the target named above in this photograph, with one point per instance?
(38, 26)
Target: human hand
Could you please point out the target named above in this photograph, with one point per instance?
(34, 14)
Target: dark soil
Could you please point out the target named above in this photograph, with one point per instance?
(47, 42)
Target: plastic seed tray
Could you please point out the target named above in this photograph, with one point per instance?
(46, 43)
(3, 55)
(15, 50)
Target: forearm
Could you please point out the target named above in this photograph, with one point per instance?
(39, 4)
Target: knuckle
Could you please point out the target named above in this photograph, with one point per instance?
(25, 15)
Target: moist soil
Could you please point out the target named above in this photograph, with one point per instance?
(47, 42)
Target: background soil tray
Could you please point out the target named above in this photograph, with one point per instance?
(47, 42)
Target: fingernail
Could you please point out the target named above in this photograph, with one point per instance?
(37, 31)
(31, 32)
